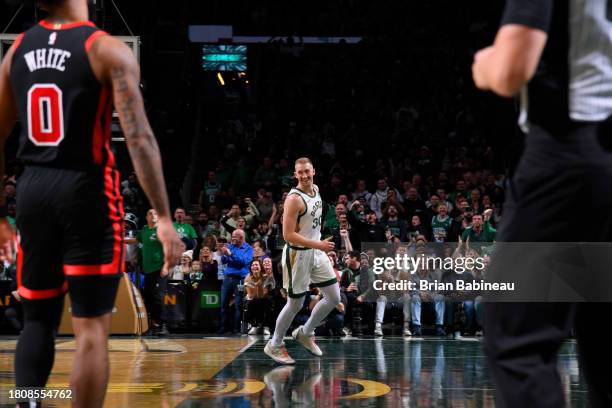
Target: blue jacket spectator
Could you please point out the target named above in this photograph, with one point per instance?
(237, 257)
(237, 264)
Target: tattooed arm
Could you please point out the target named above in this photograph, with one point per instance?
(115, 66)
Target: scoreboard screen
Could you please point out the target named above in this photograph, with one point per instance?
(224, 58)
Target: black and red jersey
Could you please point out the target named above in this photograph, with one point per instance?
(64, 110)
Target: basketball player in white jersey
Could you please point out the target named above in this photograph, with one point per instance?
(305, 261)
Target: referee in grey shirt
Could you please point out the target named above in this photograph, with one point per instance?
(563, 50)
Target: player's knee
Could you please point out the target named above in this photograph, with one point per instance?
(88, 341)
(43, 331)
(47, 312)
(333, 296)
(91, 333)
(295, 303)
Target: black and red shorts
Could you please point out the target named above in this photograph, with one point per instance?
(70, 226)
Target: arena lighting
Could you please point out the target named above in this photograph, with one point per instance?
(221, 80)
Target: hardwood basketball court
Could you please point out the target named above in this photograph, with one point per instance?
(233, 371)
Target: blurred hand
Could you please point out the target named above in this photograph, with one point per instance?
(343, 233)
(360, 299)
(326, 245)
(352, 287)
(487, 214)
(479, 67)
(6, 240)
(340, 307)
(170, 242)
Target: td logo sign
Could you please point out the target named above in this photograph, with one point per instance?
(210, 300)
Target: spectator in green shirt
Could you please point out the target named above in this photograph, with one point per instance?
(152, 263)
(332, 222)
(480, 230)
(183, 229)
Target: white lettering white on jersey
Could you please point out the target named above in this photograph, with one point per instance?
(56, 55)
(62, 60)
(40, 58)
(309, 224)
(31, 61)
(52, 38)
(51, 58)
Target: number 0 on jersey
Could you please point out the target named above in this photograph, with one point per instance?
(45, 115)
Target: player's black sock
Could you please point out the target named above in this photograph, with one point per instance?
(36, 347)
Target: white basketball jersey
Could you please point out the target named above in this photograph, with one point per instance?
(309, 222)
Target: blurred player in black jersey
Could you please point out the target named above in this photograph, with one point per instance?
(563, 48)
(60, 79)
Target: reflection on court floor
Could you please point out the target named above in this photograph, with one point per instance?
(234, 372)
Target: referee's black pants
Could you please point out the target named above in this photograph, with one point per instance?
(154, 290)
(561, 192)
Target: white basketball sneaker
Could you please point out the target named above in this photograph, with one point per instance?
(278, 353)
(307, 341)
